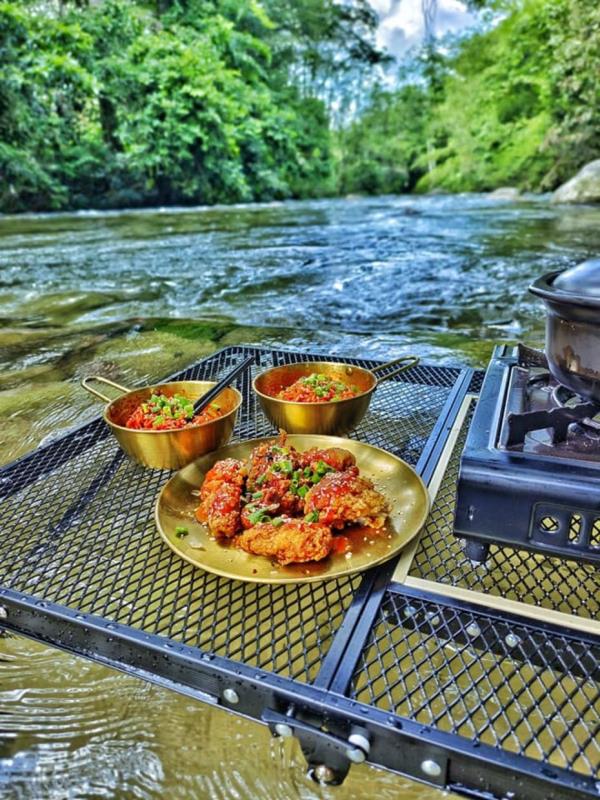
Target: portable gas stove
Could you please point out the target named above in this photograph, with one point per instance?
(530, 470)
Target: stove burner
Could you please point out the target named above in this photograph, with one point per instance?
(581, 443)
(541, 381)
(563, 397)
(568, 408)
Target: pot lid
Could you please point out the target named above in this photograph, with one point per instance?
(584, 279)
(579, 285)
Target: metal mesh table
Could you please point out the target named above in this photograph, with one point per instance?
(449, 688)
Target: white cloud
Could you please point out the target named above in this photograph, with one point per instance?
(382, 6)
(401, 22)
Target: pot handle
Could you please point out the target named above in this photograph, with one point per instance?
(406, 361)
(99, 379)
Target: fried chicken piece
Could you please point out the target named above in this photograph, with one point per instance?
(271, 470)
(271, 463)
(268, 503)
(220, 498)
(291, 542)
(335, 457)
(344, 498)
(229, 470)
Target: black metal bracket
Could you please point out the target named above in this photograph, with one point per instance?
(396, 743)
(329, 756)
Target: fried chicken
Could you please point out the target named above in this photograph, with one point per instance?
(272, 473)
(343, 498)
(220, 498)
(293, 541)
(285, 503)
(230, 470)
(271, 463)
(335, 457)
(269, 503)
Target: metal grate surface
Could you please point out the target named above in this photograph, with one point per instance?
(566, 586)
(78, 530)
(476, 381)
(508, 684)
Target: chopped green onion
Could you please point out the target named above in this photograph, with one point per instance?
(158, 421)
(258, 517)
(257, 495)
(312, 516)
(303, 491)
(284, 466)
(277, 522)
(181, 531)
(261, 479)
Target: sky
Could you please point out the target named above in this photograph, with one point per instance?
(401, 22)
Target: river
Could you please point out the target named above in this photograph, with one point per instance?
(136, 295)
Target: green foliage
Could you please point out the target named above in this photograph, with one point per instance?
(515, 104)
(122, 103)
(373, 158)
(46, 107)
(495, 112)
(574, 138)
(134, 102)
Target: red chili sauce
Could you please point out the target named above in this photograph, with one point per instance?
(317, 388)
(163, 413)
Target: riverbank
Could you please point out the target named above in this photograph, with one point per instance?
(506, 194)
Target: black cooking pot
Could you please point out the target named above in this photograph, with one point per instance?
(572, 298)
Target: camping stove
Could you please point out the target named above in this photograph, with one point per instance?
(530, 470)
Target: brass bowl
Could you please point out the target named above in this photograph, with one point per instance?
(167, 449)
(331, 417)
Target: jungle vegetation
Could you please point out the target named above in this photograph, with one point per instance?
(514, 102)
(115, 103)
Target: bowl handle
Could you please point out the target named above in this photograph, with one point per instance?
(99, 379)
(406, 361)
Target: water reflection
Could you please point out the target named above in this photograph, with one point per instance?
(75, 729)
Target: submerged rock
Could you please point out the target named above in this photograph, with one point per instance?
(582, 188)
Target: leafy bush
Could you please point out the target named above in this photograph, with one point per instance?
(516, 104)
(116, 104)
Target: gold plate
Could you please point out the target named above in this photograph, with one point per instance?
(403, 488)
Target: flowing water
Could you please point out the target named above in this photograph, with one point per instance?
(136, 295)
